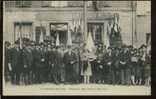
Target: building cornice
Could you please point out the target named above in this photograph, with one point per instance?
(64, 9)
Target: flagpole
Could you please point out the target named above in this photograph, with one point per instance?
(85, 20)
(132, 22)
(20, 27)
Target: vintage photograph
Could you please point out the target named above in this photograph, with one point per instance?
(76, 47)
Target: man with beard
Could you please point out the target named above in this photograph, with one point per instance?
(69, 60)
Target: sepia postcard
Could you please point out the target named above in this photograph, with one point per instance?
(76, 48)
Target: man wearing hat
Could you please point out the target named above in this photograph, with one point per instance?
(48, 62)
(36, 62)
(39, 59)
(28, 62)
(7, 59)
(32, 75)
(69, 60)
(16, 63)
(58, 63)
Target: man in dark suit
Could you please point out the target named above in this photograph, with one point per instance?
(49, 63)
(51, 60)
(108, 62)
(116, 66)
(16, 63)
(7, 59)
(69, 60)
(36, 62)
(123, 65)
(32, 74)
(58, 65)
(28, 61)
(113, 63)
(39, 59)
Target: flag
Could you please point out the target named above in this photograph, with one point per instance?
(41, 37)
(69, 41)
(149, 45)
(71, 26)
(90, 43)
(57, 40)
(107, 39)
(116, 23)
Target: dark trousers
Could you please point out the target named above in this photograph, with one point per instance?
(112, 76)
(56, 75)
(69, 73)
(122, 77)
(15, 77)
(128, 76)
(117, 76)
(39, 75)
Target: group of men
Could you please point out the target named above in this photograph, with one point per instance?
(45, 63)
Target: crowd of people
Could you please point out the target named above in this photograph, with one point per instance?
(46, 63)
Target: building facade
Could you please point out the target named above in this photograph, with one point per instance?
(31, 18)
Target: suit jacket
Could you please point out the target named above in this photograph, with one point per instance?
(28, 57)
(38, 56)
(7, 58)
(58, 60)
(70, 58)
(16, 58)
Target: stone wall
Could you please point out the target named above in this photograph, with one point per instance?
(68, 15)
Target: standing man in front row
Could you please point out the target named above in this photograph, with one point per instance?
(70, 70)
(58, 65)
(16, 63)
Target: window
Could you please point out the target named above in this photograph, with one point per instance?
(23, 30)
(96, 30)
(38, 30)
(23, 3)
(60, 29)
(148, 38)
